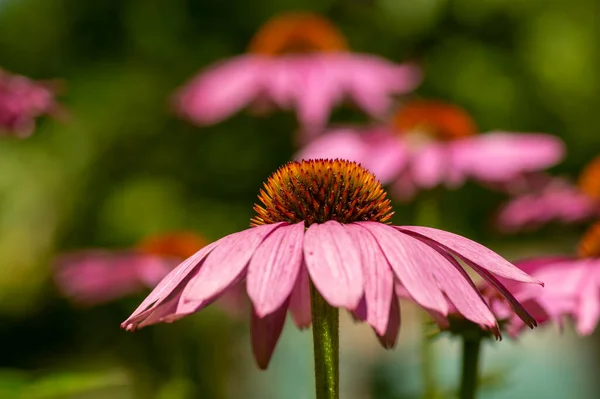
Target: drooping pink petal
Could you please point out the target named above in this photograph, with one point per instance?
(389, 339)
(462, 292)
(334, 264)
(378, 278)
(225, 264)
(300, 300)
(587, 313)
(371, 81)
(173, 280)
(468, 249)
(274, 267)
(265, 334)
(299, 304)
(406, 256)
(498, 156)
(222, 89)
(377, 150)
(317, 91)
(497, 284)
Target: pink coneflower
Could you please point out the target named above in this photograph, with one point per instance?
(92, 277)
(572, 286)
(21, 102)
(556, 200)
(321, 231)
(437, 143)
(296, 61)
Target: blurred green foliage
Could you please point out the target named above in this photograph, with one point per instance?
(121, 166)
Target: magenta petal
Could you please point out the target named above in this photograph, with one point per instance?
(222, 89)
(273, 270)
(474, 252)
(265, 333)
(171, 281)
(411, 260)
(300, 300)
(429, 166)
(333, 262)
(514, 303)
(378, 278)
(226, 263)
(389, 339)
(587, 314)
(463, 293)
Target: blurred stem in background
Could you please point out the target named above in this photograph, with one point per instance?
(470, 367)
(326, 342)
(428, 214)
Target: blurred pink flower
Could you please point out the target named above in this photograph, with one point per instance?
(92, 277)
(433, 143)
(296, 61)
(556, 199)
(21, 102)
(572, 287)
(323, 223)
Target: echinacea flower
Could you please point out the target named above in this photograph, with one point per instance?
(557, 200)
(430, 143)
(325, 224)
(296, 61)
(22, 100)
(572, 286)
(95, 276)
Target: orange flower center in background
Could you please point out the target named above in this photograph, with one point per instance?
(589, 245)
(316, 191)
(589, 179)
(178, 244)
(297, 33)
(434, 119)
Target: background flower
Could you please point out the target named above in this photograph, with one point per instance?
(296, 61)
(438, 144)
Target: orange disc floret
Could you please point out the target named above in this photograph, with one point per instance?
(589, 245)
(316, 191)
(297, 32)
(589, 179)
(442, 120)
(181, 244)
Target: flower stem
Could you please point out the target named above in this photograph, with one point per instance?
(428, 214)
(470, 365)
(326, 342)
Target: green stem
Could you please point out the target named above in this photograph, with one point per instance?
(326, 342)
(470, 365)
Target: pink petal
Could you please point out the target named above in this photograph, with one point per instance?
(226, 263)
(300, 300)
(317, 92)
(587, 314)
(378, 277)
(498, 156)
(173, 280)
(265, 334)
(474, 252)
(390, 338)
(333, 262)
(273, 270)
(412, 262)
(514, 303)
(462, 292)
(429, 165)
(223, 89)
(379, 151)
